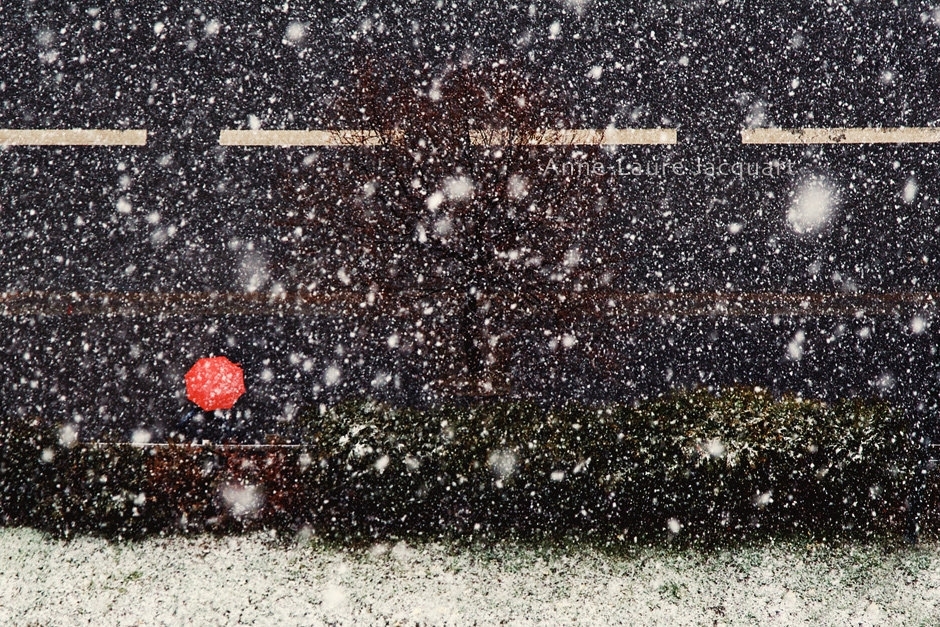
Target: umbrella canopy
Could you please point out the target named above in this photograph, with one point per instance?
(215, 383)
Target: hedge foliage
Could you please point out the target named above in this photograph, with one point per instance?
(689, 466)
(695, 464)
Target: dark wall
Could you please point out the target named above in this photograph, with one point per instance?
(186, 215)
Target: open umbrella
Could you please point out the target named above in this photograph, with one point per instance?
(215, 383)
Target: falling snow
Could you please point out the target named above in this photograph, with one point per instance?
(567, 204)
(813, 204)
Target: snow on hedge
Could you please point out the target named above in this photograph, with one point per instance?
(253, 579)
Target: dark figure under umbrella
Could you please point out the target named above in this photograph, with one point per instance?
(213, 384)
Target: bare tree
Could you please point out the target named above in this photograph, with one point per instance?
(445, 197)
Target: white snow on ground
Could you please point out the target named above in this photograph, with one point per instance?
(205, 580)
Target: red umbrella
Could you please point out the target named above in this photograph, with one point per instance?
(215, 383)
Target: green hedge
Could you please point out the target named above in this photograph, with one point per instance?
(701, 463)
(59, 485)
(693, 466)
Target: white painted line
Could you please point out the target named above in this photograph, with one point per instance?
(353, 137)
(548, 137)
(72, 137)
(870, 135)
(576, 137)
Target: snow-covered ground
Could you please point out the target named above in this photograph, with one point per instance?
(206, 580)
